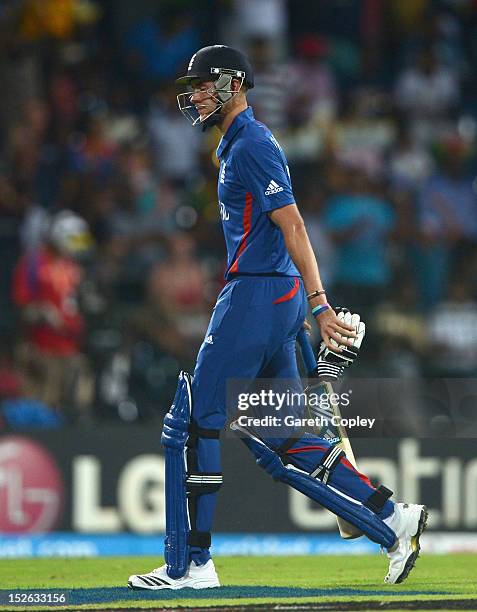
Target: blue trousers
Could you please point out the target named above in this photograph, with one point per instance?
(252, 333)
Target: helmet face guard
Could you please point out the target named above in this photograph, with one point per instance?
(220, 93)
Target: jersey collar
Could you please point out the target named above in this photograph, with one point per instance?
(237, 124)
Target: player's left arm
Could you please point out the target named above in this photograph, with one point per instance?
(290, 221)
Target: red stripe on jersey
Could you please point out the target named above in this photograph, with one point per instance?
(247, 226)
(305, 449)
(362, 477)
(290, 295)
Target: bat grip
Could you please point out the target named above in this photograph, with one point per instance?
(307, 352)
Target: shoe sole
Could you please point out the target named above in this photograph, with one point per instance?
(197, 585)
(415, 546)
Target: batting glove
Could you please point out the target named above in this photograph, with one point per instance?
(331, 363)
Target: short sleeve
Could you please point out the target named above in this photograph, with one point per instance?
(263, 169)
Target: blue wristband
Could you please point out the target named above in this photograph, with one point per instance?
(317, 310)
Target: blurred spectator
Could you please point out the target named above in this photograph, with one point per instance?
(36, 160)
(156, 48)
(398, 345)
(364, 133)
(16, 411)
(33, 227)
(448, 200)
(140, 210)
(427, 90)
(410, 163)
(63, 92)
(175, 143)
(447, 219)
(260, 18)
(157, 349)
(270, 96)
(428, 93)
(45, 287)
(27, 149)
(360, 223)
(13, 208)
(158, 326)
(400, 331)
(313, 96)
(166, 331)
(94, 152)
(54, 18)
(452, 329)
(10, 380)
(122, 126)
(138, 193)
(178, 287)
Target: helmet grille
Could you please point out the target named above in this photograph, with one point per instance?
(236, 73)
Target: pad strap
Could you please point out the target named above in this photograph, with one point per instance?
(376, 500)
(202, 539)
(200, 432)
(328, 463)
(283, 449)
(198, 483)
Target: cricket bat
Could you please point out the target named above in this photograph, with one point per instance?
(334, 434)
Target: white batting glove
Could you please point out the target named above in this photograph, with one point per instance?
(330, 363)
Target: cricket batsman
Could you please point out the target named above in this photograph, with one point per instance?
(271, 275)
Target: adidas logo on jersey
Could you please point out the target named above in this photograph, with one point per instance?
(209, 339)
(273, 188)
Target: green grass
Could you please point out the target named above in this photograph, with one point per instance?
(453, 574)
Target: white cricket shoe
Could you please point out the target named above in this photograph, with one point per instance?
(408, 522)
(197, 577)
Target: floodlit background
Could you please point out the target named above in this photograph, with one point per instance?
(375, 104)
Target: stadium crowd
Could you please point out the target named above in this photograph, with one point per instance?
(375, 105)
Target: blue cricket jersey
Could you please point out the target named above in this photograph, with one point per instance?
(253, 180)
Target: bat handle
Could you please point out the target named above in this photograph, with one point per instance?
(307, 352)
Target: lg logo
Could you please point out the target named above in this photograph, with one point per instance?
(31, 487)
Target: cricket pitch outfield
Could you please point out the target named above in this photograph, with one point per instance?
(250, 583)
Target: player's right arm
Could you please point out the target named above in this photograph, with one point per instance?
(258, 165)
